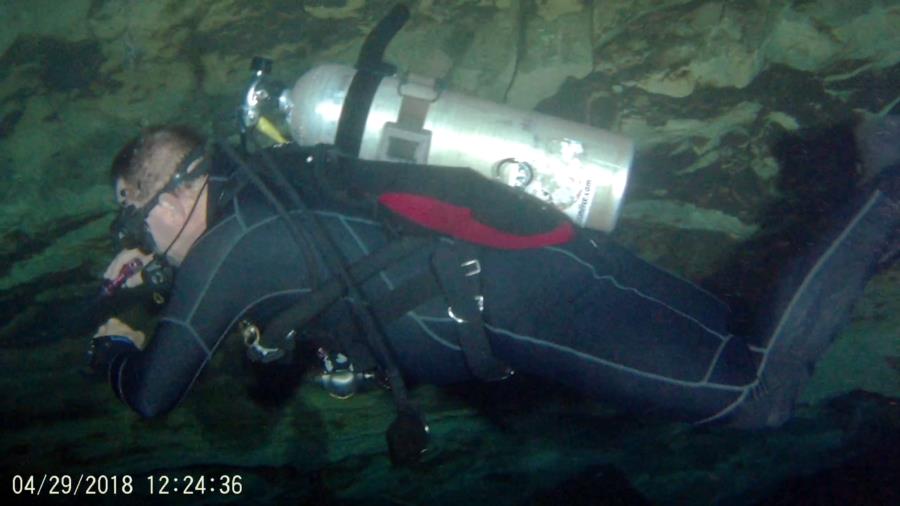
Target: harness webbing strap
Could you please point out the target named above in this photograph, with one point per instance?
(453, 274)
(413, 112)
(449, 277)
(458, 271)
(299, 314)
(406, 297)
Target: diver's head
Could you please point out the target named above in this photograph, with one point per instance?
(160, 182)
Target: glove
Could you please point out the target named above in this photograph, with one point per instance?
(105, 349)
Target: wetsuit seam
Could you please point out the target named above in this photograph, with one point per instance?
(190, 328)
(431, 333)
(249, 305)
(384, 277)
(215, 272)
(715, 359)
(781, 322)
(811, 274)
(225, 333)
(244, 233)
(119, 375)
(332, 214)
(359, 244)
(612, 280)
(684, 280)
(440, 319)
(270, 219)
(729, 408)
(624, 368)
(364, 250)
(387, 281)
(343, 218)
(220, 224)
(237, 214)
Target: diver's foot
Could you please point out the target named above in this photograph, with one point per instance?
(878, 144)
(888, 183)
(816, 304)
(771, 403)
(891, 252)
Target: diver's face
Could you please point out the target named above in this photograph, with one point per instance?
(170, 222)
(166, 219)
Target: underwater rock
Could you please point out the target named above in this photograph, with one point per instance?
(335, 9)
(596, 485)
(688, 216)
(556, 45)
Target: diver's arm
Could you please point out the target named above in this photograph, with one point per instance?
(198, 313)
(153, 381)
(115, 336)
(123, 271)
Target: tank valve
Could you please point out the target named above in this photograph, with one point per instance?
(258, 93)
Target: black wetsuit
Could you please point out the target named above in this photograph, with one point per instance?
(586, 313)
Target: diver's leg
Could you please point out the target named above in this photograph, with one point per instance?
(594, 316)
(812, 304)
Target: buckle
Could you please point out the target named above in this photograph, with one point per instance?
(474, 267)
(452, 315)
(479, 302)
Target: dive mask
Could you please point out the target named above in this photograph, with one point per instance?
(130, 230)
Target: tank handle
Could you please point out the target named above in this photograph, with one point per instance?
(371, 55)
(371, 69)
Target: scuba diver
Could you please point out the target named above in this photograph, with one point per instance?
(432, 274)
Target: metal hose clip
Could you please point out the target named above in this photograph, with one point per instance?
(259, 352)
(259, 92)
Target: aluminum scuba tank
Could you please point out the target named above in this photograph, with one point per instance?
(579, 169)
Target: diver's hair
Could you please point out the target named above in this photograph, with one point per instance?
(148, 161)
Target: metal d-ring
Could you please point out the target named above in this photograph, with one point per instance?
(479, 302)
(475, 267)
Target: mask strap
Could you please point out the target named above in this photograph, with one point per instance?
(188, 219)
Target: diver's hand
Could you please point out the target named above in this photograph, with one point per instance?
(105, 350)
(125, 256)
(116, 327)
